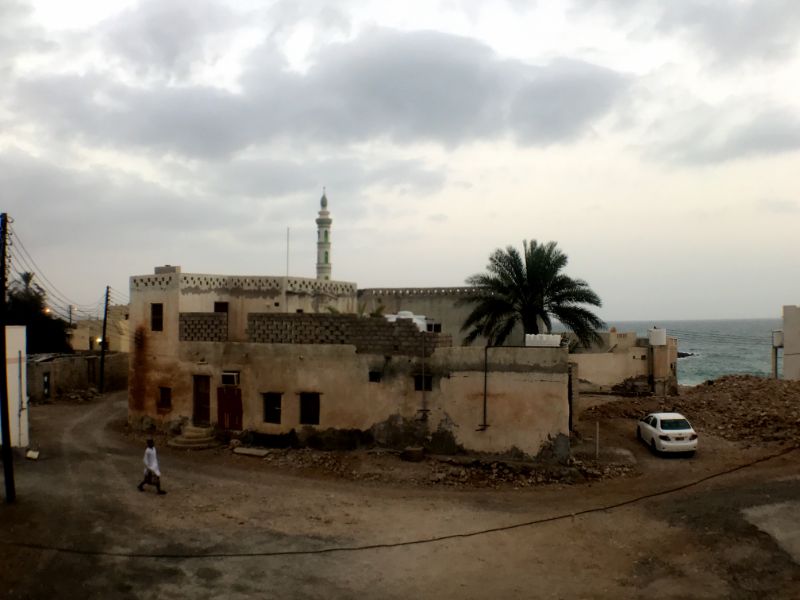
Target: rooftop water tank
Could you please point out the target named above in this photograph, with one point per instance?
(777, 339)
(657, 336)
(542, 340)
(419, 320)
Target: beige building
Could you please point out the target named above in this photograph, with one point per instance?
(86, 334)
(791, 342)
(265, 354)
(622, 363)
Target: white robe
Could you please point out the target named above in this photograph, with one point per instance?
(151, 461)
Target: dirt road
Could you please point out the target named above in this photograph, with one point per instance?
(234, 527)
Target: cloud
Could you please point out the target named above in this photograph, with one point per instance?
(562, 99)
(404, 87)
(349, 176)
(779, 206)
(167, 37)
(731, 31)
(710, 135)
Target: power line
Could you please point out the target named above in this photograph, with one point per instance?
(36, 269)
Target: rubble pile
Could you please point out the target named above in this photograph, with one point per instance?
(458, 471)
(479, 473)
(735, 407)
(77, 395)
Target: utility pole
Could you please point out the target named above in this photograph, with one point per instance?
(103, 345)
(8, 456)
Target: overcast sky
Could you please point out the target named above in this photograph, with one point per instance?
(657, 142)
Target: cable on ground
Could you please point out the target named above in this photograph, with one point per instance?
(417, 542)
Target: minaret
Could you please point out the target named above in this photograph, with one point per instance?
(324, 239)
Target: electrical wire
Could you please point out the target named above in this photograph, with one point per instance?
(25, 257)
(415, 542)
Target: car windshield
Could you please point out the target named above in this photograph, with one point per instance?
(674, 424)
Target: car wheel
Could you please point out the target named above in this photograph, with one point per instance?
(638, 434)
(653, 448)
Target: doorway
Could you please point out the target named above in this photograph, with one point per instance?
(201, 413)
(229, 407)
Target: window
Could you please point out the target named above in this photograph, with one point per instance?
(434, 327)
(309, 408)
(423, 383)
(220, 307)
(375, 376)
(164, 398)
(230, 378)
(326, 238)
(326, 257)
(272, 407)
(157, 317)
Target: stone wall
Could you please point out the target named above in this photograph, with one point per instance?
(371, 335)
(68, 373)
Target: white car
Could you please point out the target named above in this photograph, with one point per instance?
(667, 432)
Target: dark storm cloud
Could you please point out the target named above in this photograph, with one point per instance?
(731, 31)
(404, 87)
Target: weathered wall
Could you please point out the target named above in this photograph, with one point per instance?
(791, 342)
(16, 348)
(601, 372)
(621, 364)
(526, 401)
(373, 335)
(197, 293)
(76, 372)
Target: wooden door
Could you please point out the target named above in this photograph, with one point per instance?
(229, 407)
(201, 415)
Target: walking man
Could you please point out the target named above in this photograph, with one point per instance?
(152, 474)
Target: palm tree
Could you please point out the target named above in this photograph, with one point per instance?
(532, 290)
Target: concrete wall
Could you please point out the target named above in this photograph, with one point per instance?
(437, 304)
(623, 363)
(17, 386)
(68, 373)
(791, 342)
(527, 402)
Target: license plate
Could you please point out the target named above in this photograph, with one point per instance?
(677, 439)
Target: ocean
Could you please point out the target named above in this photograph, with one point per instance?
(719, 347)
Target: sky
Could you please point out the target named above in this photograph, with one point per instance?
(657, 142)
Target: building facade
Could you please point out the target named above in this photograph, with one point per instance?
(265, 355)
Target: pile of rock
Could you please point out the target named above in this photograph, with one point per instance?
(455, 471)
(735, 407)
(480, 473)
(87, 395)
(745, 407)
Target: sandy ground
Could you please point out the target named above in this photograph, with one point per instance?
(239, 527)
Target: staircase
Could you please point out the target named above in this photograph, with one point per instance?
(195, 438)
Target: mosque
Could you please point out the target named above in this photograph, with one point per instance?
(280, 355)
